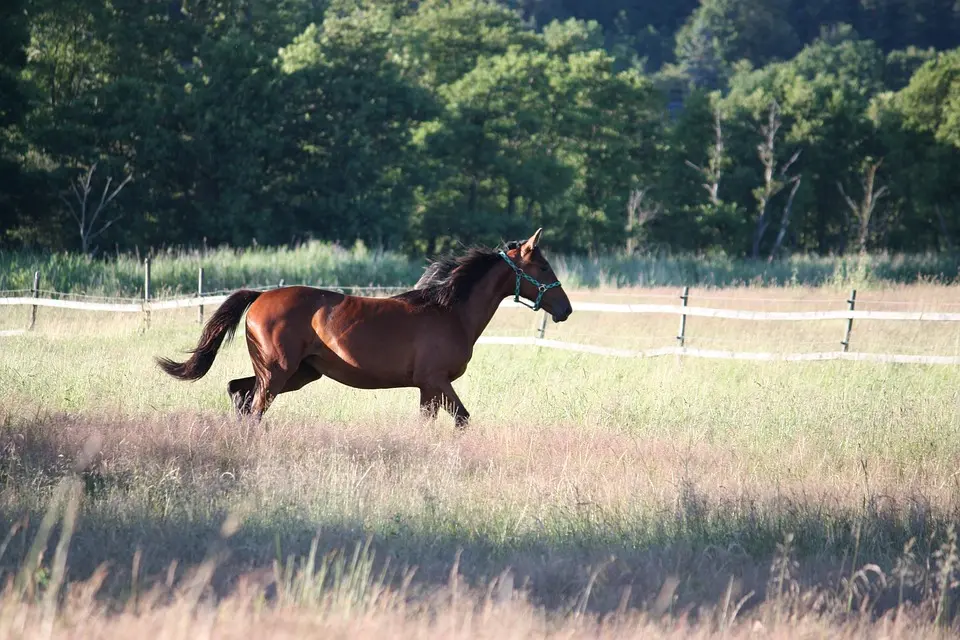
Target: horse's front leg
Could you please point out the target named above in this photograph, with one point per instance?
(452, 404)
(433, 395)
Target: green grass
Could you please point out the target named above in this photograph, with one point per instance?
(175, 271)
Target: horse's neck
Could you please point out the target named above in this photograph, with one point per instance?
(477, 311)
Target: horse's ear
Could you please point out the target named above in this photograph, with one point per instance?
(531, 243)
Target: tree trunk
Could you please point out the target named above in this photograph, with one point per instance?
(759, 230)
(472, 196)
(785, 219)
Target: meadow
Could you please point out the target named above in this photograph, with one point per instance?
(589, 496)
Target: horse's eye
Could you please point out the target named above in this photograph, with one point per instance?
(543, 268)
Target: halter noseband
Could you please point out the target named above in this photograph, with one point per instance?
(541, 288)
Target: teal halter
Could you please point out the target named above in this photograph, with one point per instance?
(541, 288)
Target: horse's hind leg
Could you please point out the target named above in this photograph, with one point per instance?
(241, 392)
(303, 376)
(430, 400)
(275, 380)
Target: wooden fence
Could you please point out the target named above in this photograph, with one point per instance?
(146, 306)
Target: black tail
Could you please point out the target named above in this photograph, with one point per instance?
(222, 325)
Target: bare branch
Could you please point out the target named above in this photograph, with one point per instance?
(789, 163)
(81, 189)
(86, 183)
(80, 199)
(638, 215)
(785, 218)
(106, 200)
(943, 227)
(96, 212)
(766, 151)
(881, 192)
(103, 228)
(73, 211)
(713, 171)
(850, 203)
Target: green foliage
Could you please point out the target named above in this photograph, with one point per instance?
(14, 37)
(495, 142)
(422, 126)
(822, 96)
(931, 101)
(351, 114)
(175, 272)
(915, 128)
(722, 32)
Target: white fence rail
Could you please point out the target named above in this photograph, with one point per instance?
(601, 307)
(717, 354)
(850, 314)
(126, 307)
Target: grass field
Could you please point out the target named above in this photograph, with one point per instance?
(589, 496)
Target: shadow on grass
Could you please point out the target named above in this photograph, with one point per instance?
(710, 548)
(622, 568)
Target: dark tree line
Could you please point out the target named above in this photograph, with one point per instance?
(751, 127)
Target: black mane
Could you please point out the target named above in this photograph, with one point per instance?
(450, 279)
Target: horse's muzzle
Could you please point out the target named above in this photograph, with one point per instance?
(561, 315)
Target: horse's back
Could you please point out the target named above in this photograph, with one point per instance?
(332, 316)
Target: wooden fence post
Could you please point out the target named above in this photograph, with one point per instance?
(36, 294)
(682, 335)
(200, 295)
(851, 304)
(146, 290)
(542, 329)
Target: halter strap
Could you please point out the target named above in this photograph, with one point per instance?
(541, 288)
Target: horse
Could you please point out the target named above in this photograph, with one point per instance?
(422, 338)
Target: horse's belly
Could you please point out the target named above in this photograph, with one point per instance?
(365, 381)
(344, 373)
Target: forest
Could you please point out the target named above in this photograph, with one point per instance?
(743, 128)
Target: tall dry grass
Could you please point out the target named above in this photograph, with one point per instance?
(583, 526)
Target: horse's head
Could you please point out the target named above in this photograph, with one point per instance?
(536, 280)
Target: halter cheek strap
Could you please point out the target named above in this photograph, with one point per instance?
(541, 288)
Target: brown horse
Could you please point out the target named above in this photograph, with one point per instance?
(423, 338)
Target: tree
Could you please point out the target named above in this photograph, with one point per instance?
(443, 40)
(864, 209)
(640, 212)
(773, 180)
(931, 101)
(572, 36)
(720, 33)
(823, 95)
(14, 36)
(712, 171)
(609, 127)
(692, 167)
(351, 116)
(497, 147)
(921, 210)
(87, 213)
